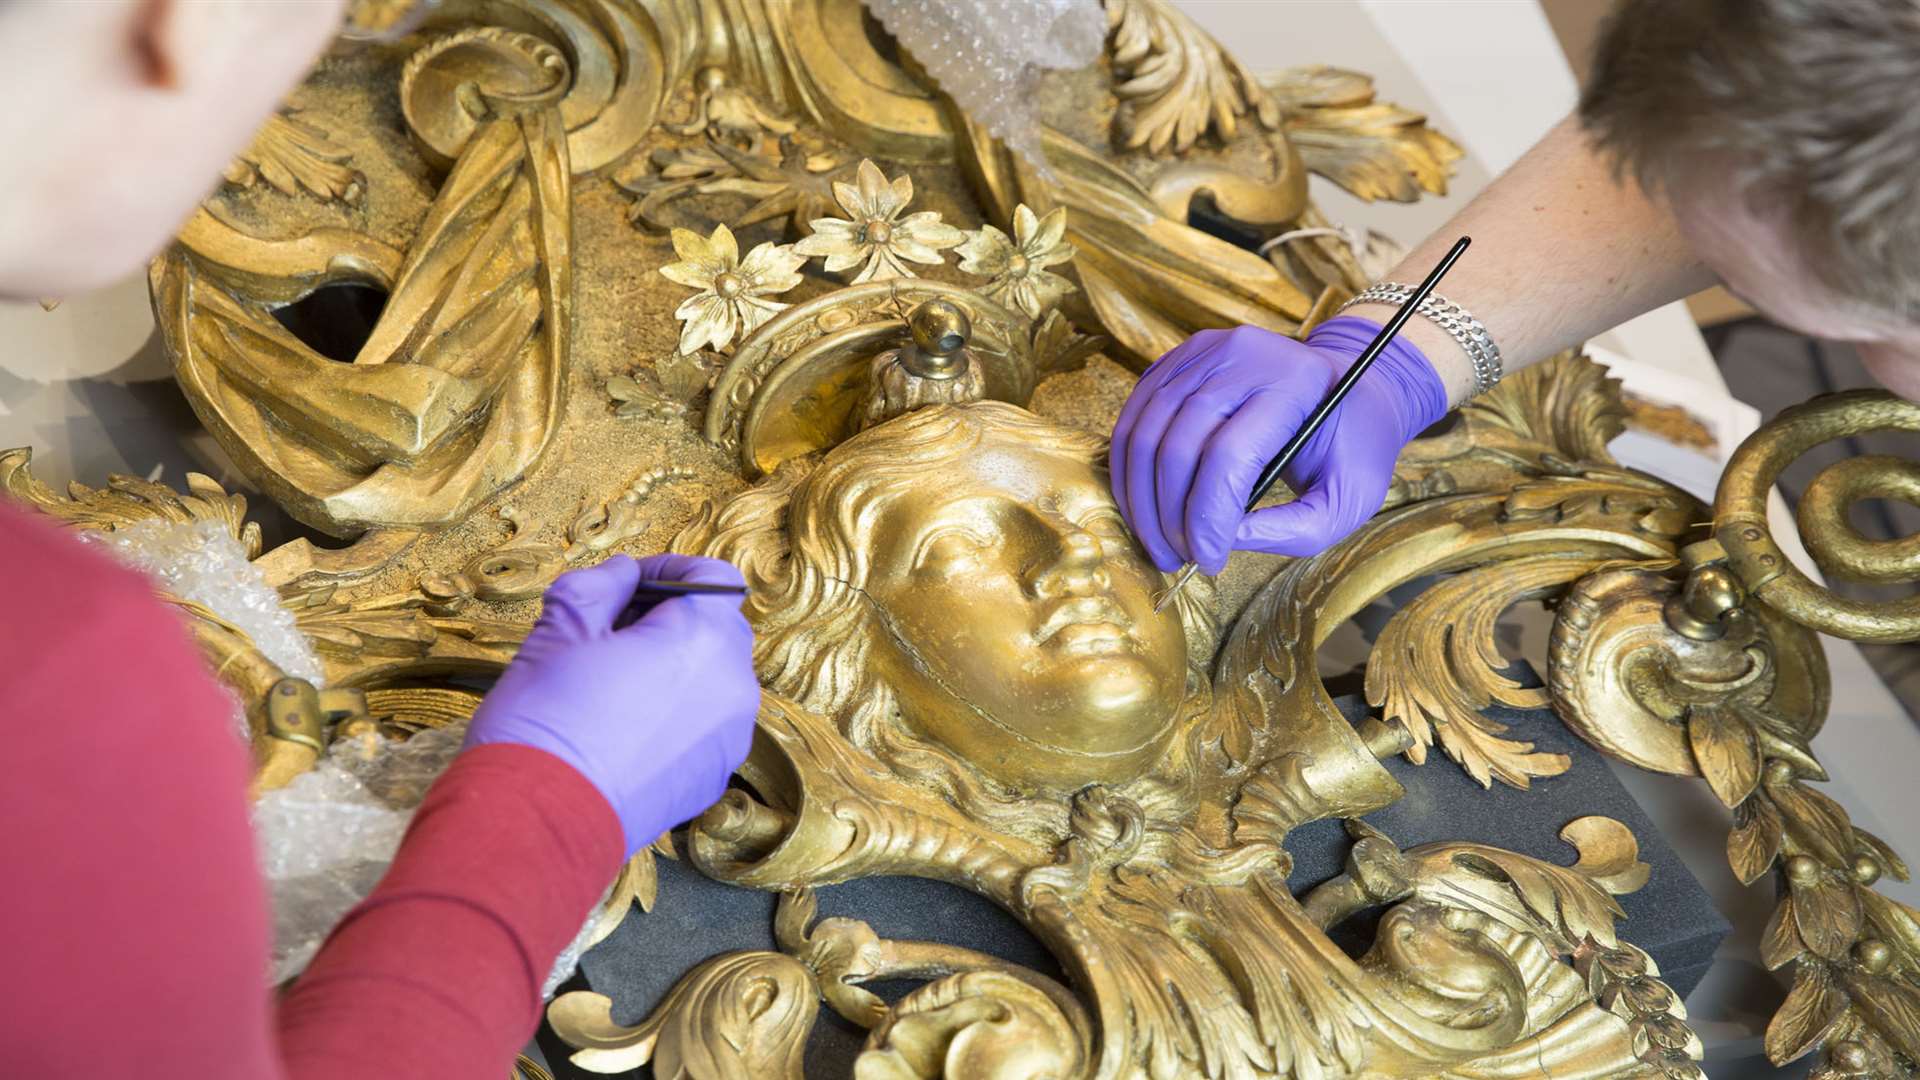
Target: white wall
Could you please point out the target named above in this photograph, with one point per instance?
(85, 385)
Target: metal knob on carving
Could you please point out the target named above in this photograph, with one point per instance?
(935, 367)
(941, 331)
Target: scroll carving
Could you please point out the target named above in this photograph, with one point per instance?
(730, 278)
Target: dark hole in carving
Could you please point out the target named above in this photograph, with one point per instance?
(1442, 426)
(1204, 215)
(1356, 934)
(335, 320)
(877, 36)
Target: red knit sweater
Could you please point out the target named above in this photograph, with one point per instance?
(133, 919)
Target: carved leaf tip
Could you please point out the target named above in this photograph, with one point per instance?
(1373, 149)
(291, 155)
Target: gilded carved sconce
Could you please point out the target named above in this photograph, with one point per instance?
(729, 276)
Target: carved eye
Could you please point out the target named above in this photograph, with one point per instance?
(948, 548)
(1110, 529)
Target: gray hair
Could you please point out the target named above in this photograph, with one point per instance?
(1811, 102)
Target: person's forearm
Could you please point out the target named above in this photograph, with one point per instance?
(1561, 252)
(438, 973)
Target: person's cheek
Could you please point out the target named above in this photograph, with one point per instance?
(1897, 367)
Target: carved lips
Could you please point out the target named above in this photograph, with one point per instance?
(1084, 625)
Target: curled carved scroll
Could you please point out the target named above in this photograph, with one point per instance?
(740, 1016)
(1737, 701)
(1740, 517)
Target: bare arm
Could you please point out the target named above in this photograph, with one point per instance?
(1561, 252)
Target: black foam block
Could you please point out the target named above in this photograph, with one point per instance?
(1671, 917)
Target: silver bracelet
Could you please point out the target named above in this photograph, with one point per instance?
(1457, 321)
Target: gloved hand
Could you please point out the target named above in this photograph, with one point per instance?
(655, 715)
(1209, 415)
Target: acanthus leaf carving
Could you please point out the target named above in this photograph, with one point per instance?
(1177, 83)
(637, 886)
(738, 1016)
(1442, 682)
(292, 154)
(129, 499)
(1373, 149)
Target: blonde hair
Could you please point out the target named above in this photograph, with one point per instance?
(798, 539)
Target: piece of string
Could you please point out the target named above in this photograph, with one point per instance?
(1375, 253)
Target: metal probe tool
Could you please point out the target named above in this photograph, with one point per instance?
(1314, 420)
(648, 593)
(683, 588)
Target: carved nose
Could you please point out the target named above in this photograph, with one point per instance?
(1078, 567)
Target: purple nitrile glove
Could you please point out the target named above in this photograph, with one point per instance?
(655, 715)
(1209, 415)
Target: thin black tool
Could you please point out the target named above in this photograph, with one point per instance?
(1319, 416)
(681, 588)
(648, 593)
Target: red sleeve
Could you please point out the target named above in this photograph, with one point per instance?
(134, 922)
(438, 974)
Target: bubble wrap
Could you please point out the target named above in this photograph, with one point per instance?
(325, 839)
(200, 561)
(568, 961)
(988, 55)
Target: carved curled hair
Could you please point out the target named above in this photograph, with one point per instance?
(796, 537)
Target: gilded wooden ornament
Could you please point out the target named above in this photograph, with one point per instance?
(607, 239)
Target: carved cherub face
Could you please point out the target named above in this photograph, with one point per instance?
(1016, 618)
(958, 584)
